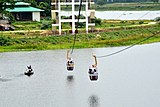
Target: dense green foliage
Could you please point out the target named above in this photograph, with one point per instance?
(155, 1)
(42, 4)
(4, 4)
(45, 24)
(157, 19)
(29, 25)
(103, 39)
(5, 41)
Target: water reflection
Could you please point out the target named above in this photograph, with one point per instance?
(4, 80)
(7, 78)
(19, 75)
(93, 101)
(70, 78)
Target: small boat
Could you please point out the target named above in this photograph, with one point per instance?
(28, 73)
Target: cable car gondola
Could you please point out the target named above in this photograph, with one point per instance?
(93, 74)
(70, 62)
(70, 65)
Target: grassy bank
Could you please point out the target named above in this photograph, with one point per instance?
(102, 39)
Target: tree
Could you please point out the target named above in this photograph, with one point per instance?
(100, 2)
(4, 4)
(155, 1)
(32, 2)
(42, 4)
(45, 6)
(157, 19)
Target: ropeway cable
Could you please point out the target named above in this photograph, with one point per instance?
(80, 6)
(143, 15)
(121, 14)
(153, 34)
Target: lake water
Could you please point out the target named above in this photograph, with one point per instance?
(122, 15)
(127, 79)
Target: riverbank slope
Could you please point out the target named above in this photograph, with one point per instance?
(109, 38)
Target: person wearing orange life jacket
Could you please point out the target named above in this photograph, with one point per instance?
(70, 62)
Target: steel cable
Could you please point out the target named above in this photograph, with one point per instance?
(79, 12)
(153, 34)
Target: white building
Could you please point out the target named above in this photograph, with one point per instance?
(58, 5)
(24, 12)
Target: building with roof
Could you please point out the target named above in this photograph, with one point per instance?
(24, 12)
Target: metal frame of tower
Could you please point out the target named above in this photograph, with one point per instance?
(56, 13)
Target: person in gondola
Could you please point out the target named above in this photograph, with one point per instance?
(70, 62)
(93, 74)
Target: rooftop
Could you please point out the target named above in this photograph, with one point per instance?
(22, 3)
(25, 9)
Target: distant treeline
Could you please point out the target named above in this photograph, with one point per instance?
(123, 1)
(46, 4)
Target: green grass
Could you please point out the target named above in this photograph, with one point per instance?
(104, 39)
(26, 28)
(121, 23)
(26, 25)
(30, 25)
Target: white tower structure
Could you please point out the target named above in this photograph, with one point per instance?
(56, 12)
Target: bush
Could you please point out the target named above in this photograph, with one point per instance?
(98, 21)
(157, 19)
(46, 25)
(10, 17)
(133, 22)
(47, 18)
(54, 21)
(112, 25)
(80, 24)
(141, 22)
(4, 41)
(123, 21)
(100, 2)
(64, 17)
(82, 16)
